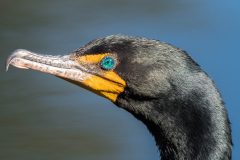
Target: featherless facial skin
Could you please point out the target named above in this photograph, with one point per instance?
(156, 82)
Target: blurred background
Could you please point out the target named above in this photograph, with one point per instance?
(43, 117)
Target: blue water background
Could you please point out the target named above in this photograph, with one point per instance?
(42, 117)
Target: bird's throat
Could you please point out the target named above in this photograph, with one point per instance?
(184, 130)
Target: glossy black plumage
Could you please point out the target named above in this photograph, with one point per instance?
(171, 95)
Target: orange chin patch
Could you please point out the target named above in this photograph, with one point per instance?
(107, 84)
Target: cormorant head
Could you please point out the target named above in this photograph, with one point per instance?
(113, 65)
(130, 71)
(126, 70)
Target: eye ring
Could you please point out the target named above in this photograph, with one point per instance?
(108, 63)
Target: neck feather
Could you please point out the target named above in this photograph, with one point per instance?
(184, 128)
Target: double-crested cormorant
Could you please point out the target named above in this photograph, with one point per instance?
(156, 82)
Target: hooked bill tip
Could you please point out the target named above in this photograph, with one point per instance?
(16, 54)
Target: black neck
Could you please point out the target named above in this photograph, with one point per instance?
(185, 128)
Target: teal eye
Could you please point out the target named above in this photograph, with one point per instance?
(107, 63)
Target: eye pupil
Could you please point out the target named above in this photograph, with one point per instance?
(107, 63)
